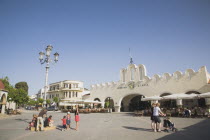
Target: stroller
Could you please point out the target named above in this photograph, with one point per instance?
(169, 126)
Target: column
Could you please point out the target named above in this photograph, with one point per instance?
(67, 94)
(179, 103)
(207, 100)
(3, 109)
(117, 108)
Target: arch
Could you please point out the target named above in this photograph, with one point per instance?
(3, 99)
(97, 99)
(109, 103)
(165, 94)
(132, 102)
(191, 92)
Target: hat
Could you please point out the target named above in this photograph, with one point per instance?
(68, 112)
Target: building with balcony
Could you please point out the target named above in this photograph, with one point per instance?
(68, 92)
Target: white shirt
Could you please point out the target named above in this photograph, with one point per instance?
(156, 111)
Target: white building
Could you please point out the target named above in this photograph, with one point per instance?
(69, 93)
(134, 82)
(3, 98)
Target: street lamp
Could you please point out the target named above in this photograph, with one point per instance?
(47, 60)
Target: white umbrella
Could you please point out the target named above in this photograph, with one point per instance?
(151, 98)
(181, 96)
(205, 95)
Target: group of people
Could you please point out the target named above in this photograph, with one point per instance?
(156, 121)
(66, 121)
(42, 121)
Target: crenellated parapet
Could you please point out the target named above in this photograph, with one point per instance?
(137, 75)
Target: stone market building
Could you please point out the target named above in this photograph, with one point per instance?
(134, 84)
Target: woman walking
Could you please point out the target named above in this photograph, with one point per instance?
(77, 118)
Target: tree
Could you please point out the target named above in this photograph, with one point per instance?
(32, 102)
(48, 101)
(22, 85)
(40, 100)
(56, 100)
(20, 97)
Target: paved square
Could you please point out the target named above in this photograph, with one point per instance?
(104, 126)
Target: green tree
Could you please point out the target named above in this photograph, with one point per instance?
(48, 101)
(32, 102)
(40, 100)
(55, 99)
(20, 97)
(22, 85)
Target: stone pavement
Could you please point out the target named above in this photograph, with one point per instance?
(104, 126)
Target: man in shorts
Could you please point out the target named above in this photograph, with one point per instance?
(156, 112)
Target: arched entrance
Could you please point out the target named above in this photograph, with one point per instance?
(109, 103)
(194, 102)
(3, 103)
(133, 102)
(167, 103)
(95, 105)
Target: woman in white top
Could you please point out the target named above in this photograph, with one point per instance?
(156, 112)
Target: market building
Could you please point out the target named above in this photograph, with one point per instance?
(136, 90)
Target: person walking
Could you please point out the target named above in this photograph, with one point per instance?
(40, 119)
(156, 112)
(77, 118)
(152, 118)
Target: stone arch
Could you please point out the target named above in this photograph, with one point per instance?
(201, 102)
(131, 102)
(96, 105)
(3, 101)
(167, 103)
(109, 103)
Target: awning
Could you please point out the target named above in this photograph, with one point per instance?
(151, 98)
(181, 96)
(205, 95)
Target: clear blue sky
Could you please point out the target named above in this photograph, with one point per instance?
(93, 38)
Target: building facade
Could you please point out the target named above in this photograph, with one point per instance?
(68, 92)
(134, 82)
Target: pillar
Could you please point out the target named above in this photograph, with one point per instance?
(67, 94)
(117, 108)
(179, 102)
(207, 100)
(3, 109)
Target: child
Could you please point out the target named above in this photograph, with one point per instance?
(169, 125)
(64, 123)
(32, 123)
(50, 121)
(68, 119)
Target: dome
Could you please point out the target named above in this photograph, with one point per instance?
(1, 85)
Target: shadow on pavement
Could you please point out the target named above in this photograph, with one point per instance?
(140, 129)
(193, 132)
(23, 120)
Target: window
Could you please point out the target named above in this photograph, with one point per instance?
(69, 94)
(76, 94)
(69, 86)
(132, 73)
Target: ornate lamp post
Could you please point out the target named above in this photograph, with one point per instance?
(47, 60)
